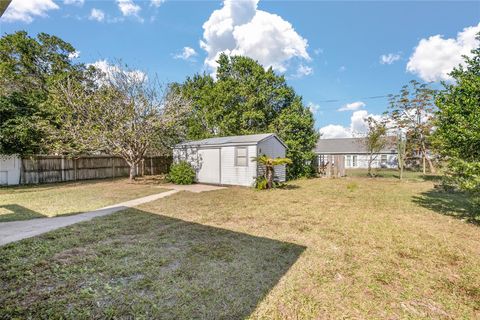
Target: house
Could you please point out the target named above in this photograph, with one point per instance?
(231, 160)
(353, 152)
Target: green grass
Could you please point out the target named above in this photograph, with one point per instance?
(37, 201)
(322, 249)
(393, 173)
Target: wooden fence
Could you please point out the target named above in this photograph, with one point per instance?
(47, 169)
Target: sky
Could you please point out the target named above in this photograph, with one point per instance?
(342, 57)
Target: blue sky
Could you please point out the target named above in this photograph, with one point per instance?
(327, 50)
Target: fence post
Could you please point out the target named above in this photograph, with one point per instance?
(75, 169)
(113, 167)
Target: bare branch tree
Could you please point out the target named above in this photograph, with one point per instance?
(123, 113)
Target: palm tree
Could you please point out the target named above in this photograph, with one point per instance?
(269, 164)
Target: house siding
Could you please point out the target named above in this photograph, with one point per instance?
(362, 161)
(273, 148)
(238, 175)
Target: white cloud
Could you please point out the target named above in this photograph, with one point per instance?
(26, 10)
(318, 51)
(303, 70)
(128, 7)
(434, 58)
(156, 3)
(389, 58)
(74, 55)
(74, 2)
(335, 131)
(358, 126)
(239, 28)
(110, 69)
(186, 53)
(313, 107)
(97, 14)
(352, 106)
(342, 69)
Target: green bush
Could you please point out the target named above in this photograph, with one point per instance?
(181, 173)
(261, 183)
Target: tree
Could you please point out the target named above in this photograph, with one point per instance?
(269, 167)
(121, 113)
(247, 99)
(457, 134)
(375, 140)
(28, 69)
(412, 110)
(401, 152)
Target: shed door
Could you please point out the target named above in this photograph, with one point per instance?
(209, 171)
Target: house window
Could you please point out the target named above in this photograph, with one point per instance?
(383, 159)
(348, 160)
(354, 161)
(241, 156)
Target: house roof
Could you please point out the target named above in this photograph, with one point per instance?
(231, 140)
(350, 146)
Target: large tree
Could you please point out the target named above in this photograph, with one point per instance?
(412, 110)
(457, 134)
(244, 98)
(121, 112)
(28, 69)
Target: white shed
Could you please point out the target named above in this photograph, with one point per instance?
(9, 170)
(230, 160)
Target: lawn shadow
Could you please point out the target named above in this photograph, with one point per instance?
(141, 264)
(455, 204)
(15, 212)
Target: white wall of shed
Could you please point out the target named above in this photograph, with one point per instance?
(238, 175)
(9, 170)
(273, 148)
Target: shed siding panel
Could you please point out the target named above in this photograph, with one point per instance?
(238, 175)
(273, 149)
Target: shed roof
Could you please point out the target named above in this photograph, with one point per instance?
(350, 146)
(245, 139)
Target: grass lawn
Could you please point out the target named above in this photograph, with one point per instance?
(48, 200)
(318, 249)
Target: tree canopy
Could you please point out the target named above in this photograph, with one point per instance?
(457, 134)
(28, 68)
(247, 99)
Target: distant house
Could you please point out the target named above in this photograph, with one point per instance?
(354, 153)
(230, 160)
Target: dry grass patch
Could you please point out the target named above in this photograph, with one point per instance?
(321, 249)
(37, 201)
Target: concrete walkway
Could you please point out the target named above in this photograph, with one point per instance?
(18, 230)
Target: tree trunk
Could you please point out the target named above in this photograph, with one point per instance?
(132, 171)
(370, 165)
(269, 177)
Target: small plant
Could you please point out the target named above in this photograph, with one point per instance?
(269, 168)
(181, 173)
(352, 186)
(261, 183)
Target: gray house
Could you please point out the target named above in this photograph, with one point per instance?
(230, 160)
(354, 153)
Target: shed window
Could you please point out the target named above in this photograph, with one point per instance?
(241, 155)
(354, 161)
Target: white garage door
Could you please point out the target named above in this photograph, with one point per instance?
(210, 166)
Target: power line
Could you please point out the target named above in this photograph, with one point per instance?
(364, 98)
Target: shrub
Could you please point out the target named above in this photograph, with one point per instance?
(261, 183)
(181, 173)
